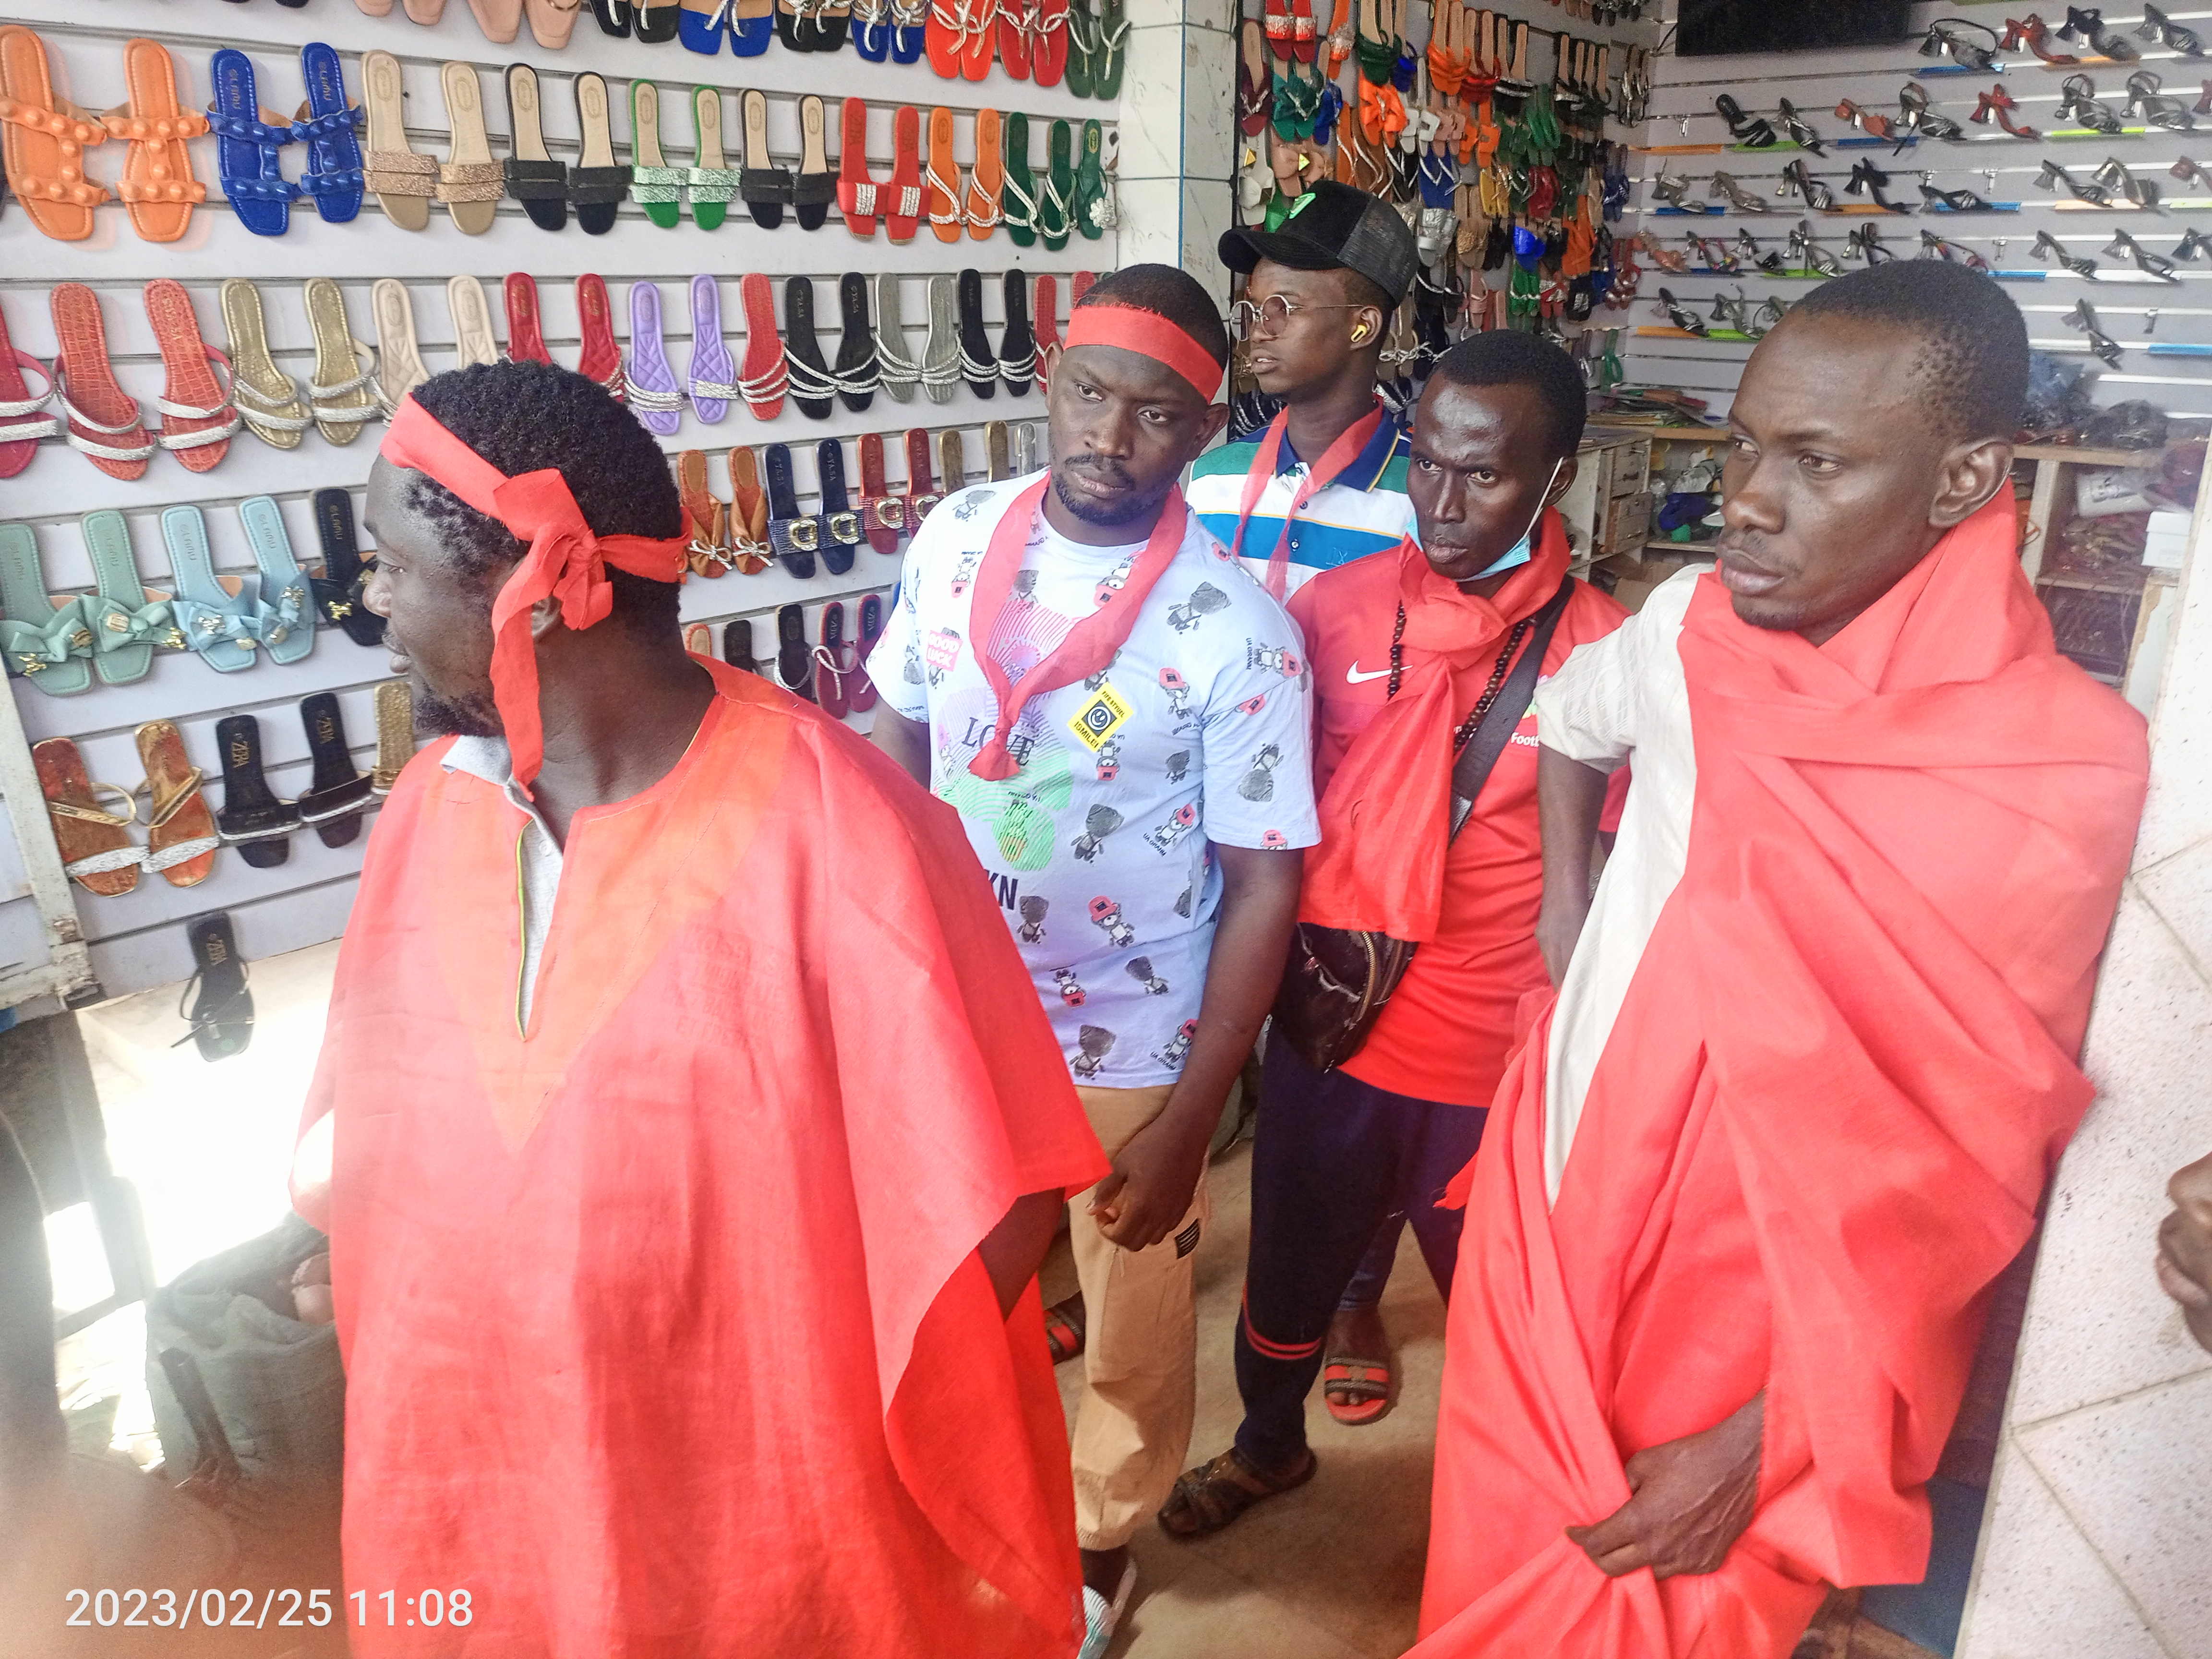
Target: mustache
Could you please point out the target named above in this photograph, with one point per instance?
(1746, 550)
(1098, 466)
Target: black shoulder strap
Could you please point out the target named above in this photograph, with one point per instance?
(1472, 770)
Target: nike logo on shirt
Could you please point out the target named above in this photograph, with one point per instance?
(1354, 676)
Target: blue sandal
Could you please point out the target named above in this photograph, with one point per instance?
(247, 151)
(216, 614)
(326, 126)
(281, 621)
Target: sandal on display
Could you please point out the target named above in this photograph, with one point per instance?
(337, 790)
(403, 181)
(883, 515)
(979, 366)
(326, 124)
(337, 591)
(841, 526)
(951, 460)
(96, 845)
(597, 184)
(700, 24)
(1817, 196)
(2047, 246)
(1794, 127)
(921, 491)
(941, 184)
(2086, 25)
(857, 372)
(181, 842)
(2157, 26)
(899, 373)
(531, 174)
(473, 339)
(833, 662)
(249, 139)
(1112, 56)
(214, 613)
(470, 183)
(500, 20)
(763, 187)
(904, 196)
(763, 380)
(2077, 102)
(1740, 198)
(793, 660)
(749, 543)
(282, 619)
(705, 519)
(44, 637)
(2034, 34)
(654, 22)
(653, 185)
(1092, 208)
(860, 199)
(551, 23)
(737, 645)
(1921, 118)
(861, 691)
(2151, 264)
(221, 1017)
(268, 399)
(197, 417)
(650, 384)
(600, 359)
(1953, 201)
(796, 538)
(712, 185)
(812, 387)
(1869, 180)
(156, 183)
(526, 332)
(1687, 321)
(998, 455)
(1749, 132)
(1017, 352)
(713, 374)
(815, 187)
(43, 139)
(21, 423)
(1017, 201)
(940, 356)
(126, 617)
(339, 393)
(1016, 24)
(1052, 218)
(104, 422)
(980, 207)
(252, 819)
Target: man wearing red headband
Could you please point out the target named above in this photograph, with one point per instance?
(670, 1186)
(1120, 714)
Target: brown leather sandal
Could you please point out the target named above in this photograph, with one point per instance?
(1209, 1498)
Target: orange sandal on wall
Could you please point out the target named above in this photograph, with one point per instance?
(156, 183)
(43, 139)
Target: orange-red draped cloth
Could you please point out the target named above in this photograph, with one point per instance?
(1843, 1070)
(665, 1331)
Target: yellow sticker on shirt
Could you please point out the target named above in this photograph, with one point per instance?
(1099, 719)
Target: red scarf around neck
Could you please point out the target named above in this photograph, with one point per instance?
(1323, 472)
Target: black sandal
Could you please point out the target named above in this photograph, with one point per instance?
(222, 1016)
(817, 185)
(339, 792)
(812, 388)
(613, 16)
(795, 537)
(737, 645)
(1017, 346)
(841, 526)
(977, 366)
(1751, 132)
(1209, 1498)
(1953, 201)
(794, 663)
(540, 183)
(1868, 180)
(859, 370)
(763, 187)
(337, 591)
(252, 819)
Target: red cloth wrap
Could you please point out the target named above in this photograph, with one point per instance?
(567, 561)
(1842, 1073)
(1148, 334)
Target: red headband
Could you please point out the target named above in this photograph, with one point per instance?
(566, 561)
(1148, 334)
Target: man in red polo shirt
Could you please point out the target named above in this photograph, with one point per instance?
(1406, 648)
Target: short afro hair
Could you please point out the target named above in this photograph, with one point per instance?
(1167, 292)
(1973, 358)
(527, 416)
(1505, 357)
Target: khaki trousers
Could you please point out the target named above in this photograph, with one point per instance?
(1141, 1345)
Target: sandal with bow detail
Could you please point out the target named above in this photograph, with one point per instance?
(2000, 104)
(2034, 34)
(1869, 180)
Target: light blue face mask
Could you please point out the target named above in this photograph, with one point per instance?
(1524, 550)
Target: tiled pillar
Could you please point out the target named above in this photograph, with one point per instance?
(1178, 129)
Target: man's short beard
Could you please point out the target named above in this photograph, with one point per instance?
(442, 717)
(1091, 512)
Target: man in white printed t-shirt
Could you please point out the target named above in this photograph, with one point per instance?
(1120, 716)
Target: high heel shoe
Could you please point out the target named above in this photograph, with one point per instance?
(1674, 193)
(1739, 198)
(2193, 242)
(1747, 249)
(2084, 318)
(1944, 40)
(1688, 321)
(1869, 180)
(2034, 34)
(1865, 241)
(1751, 132)
(1953, 201)
(2151, 264)
(1999, 103)
(2156, 26)
(1866, 120)
(1807, 254)
(1933, 245)
(2114, 177)
(2048, 246)
(2077, 101)
(1716, 258)
(1793, 125)
(1818, 197)
(2053, 175)
(1666, 258)
(1920, 118)
(2153, 107)
(2190, 173)
(2086, 25)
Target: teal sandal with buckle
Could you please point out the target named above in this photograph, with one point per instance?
(128, 618)
(44, 639)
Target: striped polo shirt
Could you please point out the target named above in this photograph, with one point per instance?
(1362, 510)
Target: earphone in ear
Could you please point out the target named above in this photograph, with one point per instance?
(1358, 333)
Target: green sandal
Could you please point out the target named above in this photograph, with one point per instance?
(1089, 185)
(713, 182)
(655, 186)
(128, 619)
(1113, 48)
(1082, 45)
(1297, 105)
(1018, 202)
(1052, 221)
(45, 639)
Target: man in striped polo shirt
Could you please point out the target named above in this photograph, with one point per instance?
(1325, 483)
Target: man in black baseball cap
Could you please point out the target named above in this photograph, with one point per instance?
(1325, 483)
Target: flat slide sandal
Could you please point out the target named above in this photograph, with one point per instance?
(551, 23)
(698, 640)
(698, 25)
(1013, 42)
(903, 215)
(795, 538)
(1090, 208)
(104, 423)
(922, 490)
(653, 185)
(337, 591)
(127, 618)
(872, 30)
(793, 660)
(156, 183)
(325, 124)
(941, 185)
(833, 21)
(43, 637)
(268, 398)
(705, 519)
(404, 182)
(951, 460)
(428, 13)
(815, 187)
(526, 334)
(650, 385)
(95, 845)
(979, 366)
(833, 661)
(1017, 351)
(944, 35)
(883, 515)
(1059, 183)
(980, 207)
(737, 645)
(471, 314)
(601, 357)
(613, 17)
(857, 373)
(765, 188)
(1079, 285)
(395, 734)
(180, 834)
(1082, 48)
(1018, 200)
(284, 621)
(795, 28)
(749, 543)
(45, 161)
(338, 790)
(470, 183)
(1049, 56)
(597, 183)
(810, 385)
(979, 44)
(907, 32)
(899, 373)
(656, 20)
(860, 689)
(339, 392)
(214, 613)
(500, 20)
(713, 377)
(21, 423)
(997, 460)
(841, 526)
(765, 380)
(398, 353)
(252, 819)
(248, 140)
(198, 420)
(857, 189)
(221, 1018)
(530, 176)
(712, 185)
(1112, 57)
(1045, 324)
(752, 26)
(940, 356)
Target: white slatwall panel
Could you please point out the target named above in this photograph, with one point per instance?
(136, 939)
(1814, 82)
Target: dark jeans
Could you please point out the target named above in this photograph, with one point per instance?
(1373, 1278)
(1332, 1159)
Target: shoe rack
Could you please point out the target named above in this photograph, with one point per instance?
(137, 940)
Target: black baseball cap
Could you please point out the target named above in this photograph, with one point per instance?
(1333, 226)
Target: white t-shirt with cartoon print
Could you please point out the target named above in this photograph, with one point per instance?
(1100, 851)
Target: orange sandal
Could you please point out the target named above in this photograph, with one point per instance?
(979, 208)
(96, 848)
(941, 189)
(157, 184)
(1372, 1384)
(749, 542)
(43, 139)
(197, 414)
